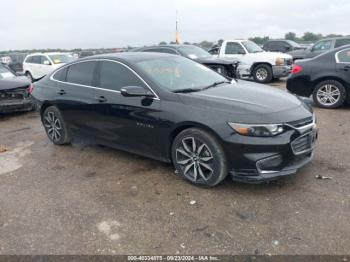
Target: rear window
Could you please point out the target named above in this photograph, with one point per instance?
(60, 75)
(81, 73)
(344, 56)
(341, 42)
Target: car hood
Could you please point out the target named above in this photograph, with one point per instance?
(245, 101)
(12, 83)
(216, 60)
(270, 55)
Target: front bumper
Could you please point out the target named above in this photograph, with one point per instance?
(258, 159)
(7, 106)
(281, 71)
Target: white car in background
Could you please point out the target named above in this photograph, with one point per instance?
(40, 64)
(254, 61)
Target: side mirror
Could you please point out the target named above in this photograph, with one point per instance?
(136, 91)
(287, 48)
(47, 62)
(241, 52)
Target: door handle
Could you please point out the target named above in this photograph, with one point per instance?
(346, 68)
(61, 92)
(101, 99)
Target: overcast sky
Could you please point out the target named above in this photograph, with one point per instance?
(117, 23)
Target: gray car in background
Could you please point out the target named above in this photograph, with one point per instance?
(320, 47)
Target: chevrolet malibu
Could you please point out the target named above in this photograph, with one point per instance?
(178, 111)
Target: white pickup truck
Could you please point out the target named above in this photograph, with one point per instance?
(254, 61)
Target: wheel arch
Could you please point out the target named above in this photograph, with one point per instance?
(186, 125)
(329, 78)
(254, 65)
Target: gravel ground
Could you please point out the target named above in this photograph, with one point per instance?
(86, 199)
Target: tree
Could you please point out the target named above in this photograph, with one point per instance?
(163, 43)
(259, 40)
(291, 36)
(312, 37)
(206, 44)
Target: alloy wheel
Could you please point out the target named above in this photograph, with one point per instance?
(261, 74)
(195, 159)
(53, 126)
(328, 95)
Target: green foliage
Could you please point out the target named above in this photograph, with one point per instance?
(259, 40)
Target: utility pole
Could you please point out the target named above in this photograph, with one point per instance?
(177, 34)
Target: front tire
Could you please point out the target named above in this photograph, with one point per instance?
(329, 94)
(199, 157)
(55, 127)
(262, 73)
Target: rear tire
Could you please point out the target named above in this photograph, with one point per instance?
(199, 157)
(329, 94)
(262, 73)
(55, 127)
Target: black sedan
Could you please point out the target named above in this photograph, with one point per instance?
(225, 67)
(325, 77)
(14, 91)
(176, 110)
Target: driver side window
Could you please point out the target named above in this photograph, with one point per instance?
(45, 60)
(322, 46)
(234, 49)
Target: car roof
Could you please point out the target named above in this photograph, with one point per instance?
(335, 38)
(128, 56)
(49, 53)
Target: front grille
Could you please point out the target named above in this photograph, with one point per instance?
(304, 143)
(301, 122)
(219, 68)
(289, 61)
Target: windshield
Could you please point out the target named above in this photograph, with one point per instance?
(176, 73)
(5, 73)
(61, 58)
(252, 47)
(294, 44)
(193, 52)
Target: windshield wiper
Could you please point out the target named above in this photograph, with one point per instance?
(216, 84)
(186, 90)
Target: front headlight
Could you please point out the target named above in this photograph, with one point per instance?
(257, 130)
(280, 61)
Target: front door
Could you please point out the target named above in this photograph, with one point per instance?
(343, 64)
(130, 123)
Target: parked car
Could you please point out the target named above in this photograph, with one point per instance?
(176, 110)
(254, 61)
(38, 65)
(14, 61)
(14, 91)
(320, 47)
(282, 45)
(222, 66)
(83, 54)
(325, 77)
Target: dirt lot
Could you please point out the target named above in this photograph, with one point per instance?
(86, 199)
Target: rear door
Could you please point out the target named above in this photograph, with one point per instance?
(34, 66)
(343, 65)
(75, 95)
(127, 122)
(45, 65)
